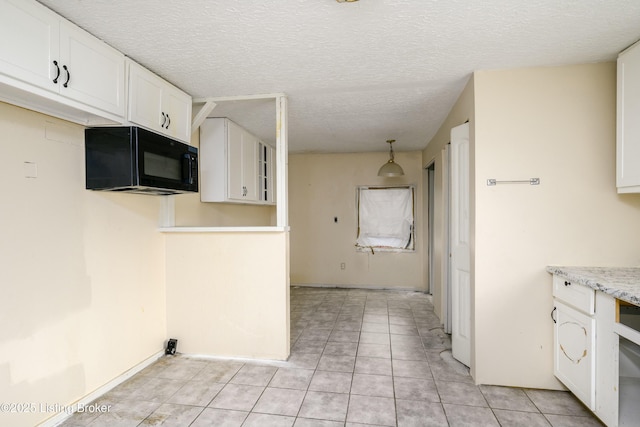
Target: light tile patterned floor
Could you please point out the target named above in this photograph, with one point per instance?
(358, 358)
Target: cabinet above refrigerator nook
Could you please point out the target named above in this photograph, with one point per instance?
(235, 166)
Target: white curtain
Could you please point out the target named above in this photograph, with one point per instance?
(385, 217)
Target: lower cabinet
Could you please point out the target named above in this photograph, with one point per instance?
(574, 351)
(585, 350)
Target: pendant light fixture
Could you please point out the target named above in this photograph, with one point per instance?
(391, 168)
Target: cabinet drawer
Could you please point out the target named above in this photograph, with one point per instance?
(574, 294)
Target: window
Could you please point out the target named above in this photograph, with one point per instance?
(385, 218)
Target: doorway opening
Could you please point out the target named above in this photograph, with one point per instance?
(431, 186)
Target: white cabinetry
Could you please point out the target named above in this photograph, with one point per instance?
(628, 125)
(157, 105)
(627, 376)
(235, 166)
(46, 60)
(266, 173)
(574, 338)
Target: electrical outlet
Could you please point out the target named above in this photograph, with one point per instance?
(343, 266)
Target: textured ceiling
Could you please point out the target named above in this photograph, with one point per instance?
(356, 74)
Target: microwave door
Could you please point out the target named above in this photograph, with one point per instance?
(189, 169)
(161, 167)
(166, 165)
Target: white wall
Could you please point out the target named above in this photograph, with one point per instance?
(322, 187)
(557, 124)
(82, 277)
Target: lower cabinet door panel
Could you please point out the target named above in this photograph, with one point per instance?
(574, 352)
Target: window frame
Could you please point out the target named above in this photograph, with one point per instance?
(411, 247)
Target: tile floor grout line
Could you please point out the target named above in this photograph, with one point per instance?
(442, 369)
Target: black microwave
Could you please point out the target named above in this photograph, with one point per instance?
(135, 160)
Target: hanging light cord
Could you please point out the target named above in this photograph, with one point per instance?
(391, 141)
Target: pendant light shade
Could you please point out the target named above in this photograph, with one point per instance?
(391, 168)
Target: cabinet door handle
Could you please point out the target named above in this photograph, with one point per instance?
(66, 83)
(168, 122)
(164, 119)
(55, 79)
(552, 311)
(566, 283)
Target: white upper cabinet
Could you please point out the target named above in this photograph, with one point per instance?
(29, 35)
(45, 58)
(92, 72)
(235, 166)
(157, 105)
(266, 173)
(242, 164)
(628, 125)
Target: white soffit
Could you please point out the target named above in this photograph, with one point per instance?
(356, 74)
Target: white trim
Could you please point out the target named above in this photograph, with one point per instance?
(168, 211)
(223, 229)
(376, 249)
(201, 115)
(62, 416)
(236, 358)
(282, 163)
(355, 287)
(237, 98)
(627, 332)
(282, 150)
(359, 212)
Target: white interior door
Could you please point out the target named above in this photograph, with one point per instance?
(460, 272)
(445, 262)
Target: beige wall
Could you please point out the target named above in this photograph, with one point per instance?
(233, 298)
(228, 293)
(323, 186)
(462, 111)
(190, 212)
(557, 124)
(82, 277)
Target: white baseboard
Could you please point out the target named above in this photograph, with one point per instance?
(62, 416)
(367, 287)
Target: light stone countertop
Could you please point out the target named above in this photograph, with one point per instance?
(620, 282)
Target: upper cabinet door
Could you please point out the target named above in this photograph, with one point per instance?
(93, 72)
(235, 180)
(29, 43)
(177, 107)
(628, 125)
(250, 166)
(158, 105)
(145, 97)
(49, 64)
(242, 164)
